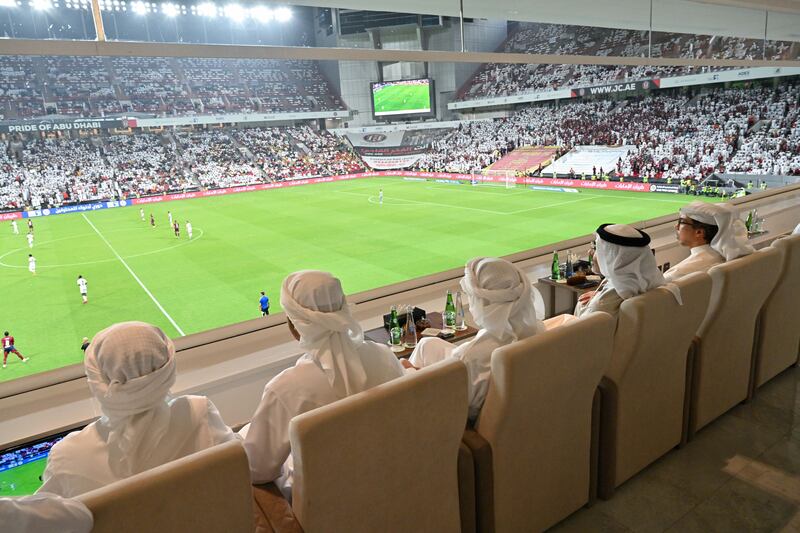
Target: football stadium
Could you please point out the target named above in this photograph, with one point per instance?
(350, 267)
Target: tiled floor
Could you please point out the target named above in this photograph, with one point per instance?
(740, 473)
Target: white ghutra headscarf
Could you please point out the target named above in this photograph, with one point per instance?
(130, 368)
(501, 298)
(731, 239)
(316, 305)
(625, 259)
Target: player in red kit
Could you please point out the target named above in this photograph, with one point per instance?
(8, 347)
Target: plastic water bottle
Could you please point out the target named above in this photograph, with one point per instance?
(568, 272)
(410, 337)
(461, 323)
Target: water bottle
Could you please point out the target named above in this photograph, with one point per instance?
(568, 272)
(461, 323)
(449, 318)
(395, 333)
(410, 337)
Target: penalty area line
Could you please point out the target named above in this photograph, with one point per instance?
(139, 281)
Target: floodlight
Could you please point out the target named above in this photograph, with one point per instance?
(235, 12)
(207, 10)
(8, 3)
(139, 7)
(41, 5)
(262, 14)
(282, 14)
(170, 10)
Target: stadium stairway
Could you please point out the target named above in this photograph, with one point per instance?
(521, 160)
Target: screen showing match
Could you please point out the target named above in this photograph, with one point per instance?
(406, 97)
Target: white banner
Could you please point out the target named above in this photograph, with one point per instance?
(391, 162)
(729, 75)
(377, 139)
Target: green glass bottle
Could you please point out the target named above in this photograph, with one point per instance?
(449, 317)
(749, 222)
(395, 333)
(554, 274)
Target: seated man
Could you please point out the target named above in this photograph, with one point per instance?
(502, 303)
(43, 513)
(130, 368)
(713, 233)
(338, 362)
(629, 267)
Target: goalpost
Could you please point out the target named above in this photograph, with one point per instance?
(511, 179)
(508, 179)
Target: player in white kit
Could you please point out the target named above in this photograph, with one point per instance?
(141, 214)
(29, 236)
(169, 214)
(380, 197)
(31, 264)
(189, 229)
(82, 285)
(14, 228)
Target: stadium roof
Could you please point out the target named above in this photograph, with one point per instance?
(735, 18)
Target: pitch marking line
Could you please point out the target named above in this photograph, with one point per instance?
(476, 189)
(373, 199)
(63, 265)
(121, 260)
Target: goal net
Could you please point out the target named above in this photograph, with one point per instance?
(510, 179)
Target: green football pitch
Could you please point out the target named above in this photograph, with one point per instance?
(245, 243)
(402, 98)
(22, 480)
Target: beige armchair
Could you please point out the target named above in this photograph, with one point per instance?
(384, 459)
(645, 387)
(208, 491)
(538, 420)
(778, 338)
(724, 356)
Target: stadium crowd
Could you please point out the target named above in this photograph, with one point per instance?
(56, 171)
(495, 79)
(94, 86)
(753, 130)
(674, 136)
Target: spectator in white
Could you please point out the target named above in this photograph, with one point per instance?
(503, 304)
(731, 241)
(624, 258)
(695, 229)
(44, 513)
(130, 368)
(709, 247)
(337, 363)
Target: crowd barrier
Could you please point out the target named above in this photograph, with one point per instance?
(447, 176)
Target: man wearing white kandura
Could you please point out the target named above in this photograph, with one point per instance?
(714, 234)
(503, 304)
(130, 368)
(337, 363)
(44, 513)
(624, 258)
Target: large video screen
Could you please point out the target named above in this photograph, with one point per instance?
(404, 97)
